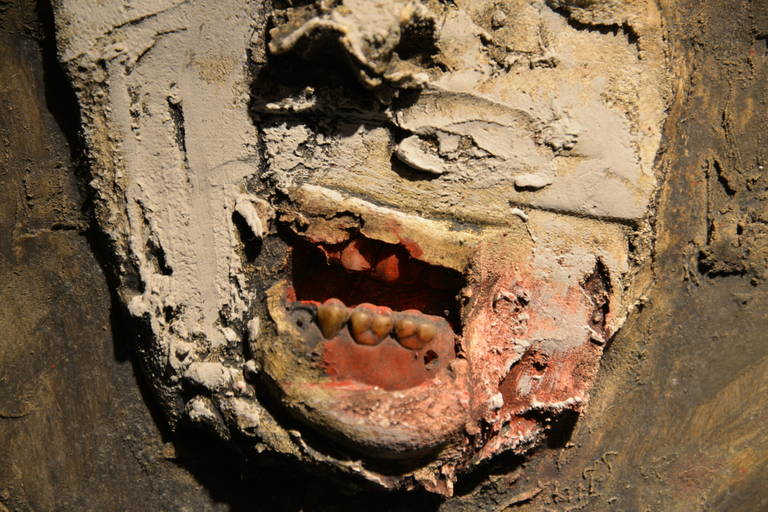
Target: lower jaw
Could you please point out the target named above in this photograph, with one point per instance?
(378, 418)
(394, 425)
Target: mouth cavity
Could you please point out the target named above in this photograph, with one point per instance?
(372, 312)
(362, 270)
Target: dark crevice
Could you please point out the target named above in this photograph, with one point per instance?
(597, 285)
(170, 313)
(251, 241)
(761, 45)
(561, 428)
(480, 479)
(429, 357)
(59, 226)
(709, 265)
(418, 41)
(156, 254)
(289, 75)
(285, 4)
(601, 28)
(409, 284)
(723, 179)
(177, 116)
(710, 224)
(59, 95)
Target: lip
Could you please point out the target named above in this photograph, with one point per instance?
(385, 397)
(483, 395)
(383, 419)
(392, 395)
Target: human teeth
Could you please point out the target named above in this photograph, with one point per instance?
(414, 334)
(370, 325)
(404, 328)
(381, 325)
(359, 321)
(426, 332)
(359, 327)
(331, 317)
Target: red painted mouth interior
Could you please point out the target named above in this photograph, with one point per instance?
(368, 271)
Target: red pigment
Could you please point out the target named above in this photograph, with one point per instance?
(357, 256)
(559, 376)
(411, 246)
(365, 270)
(382, 276)
(388, 268)
(387, 365)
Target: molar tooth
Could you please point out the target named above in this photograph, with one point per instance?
(406, 332)
(405, 327)
(414, 333)
(426, 332)
(359, 325)
(331, 317)
(359, 321)
(381, 325)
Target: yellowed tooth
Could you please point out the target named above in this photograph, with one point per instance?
(331, 317)
(414, 333)
(405, 327)
(359, 321)
(406, 332)
(381, 325)
(359, 328)
(426, 332)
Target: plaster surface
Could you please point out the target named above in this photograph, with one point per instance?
(485, 170)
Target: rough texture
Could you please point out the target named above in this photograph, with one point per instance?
(694, 350)
(236, 190)
(73, 421)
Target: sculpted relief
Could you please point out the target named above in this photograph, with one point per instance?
(387, 238)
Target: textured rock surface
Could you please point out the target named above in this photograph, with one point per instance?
(699, 371)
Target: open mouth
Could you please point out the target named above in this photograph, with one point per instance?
(372, 313)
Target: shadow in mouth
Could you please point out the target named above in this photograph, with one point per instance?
(368, 271)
